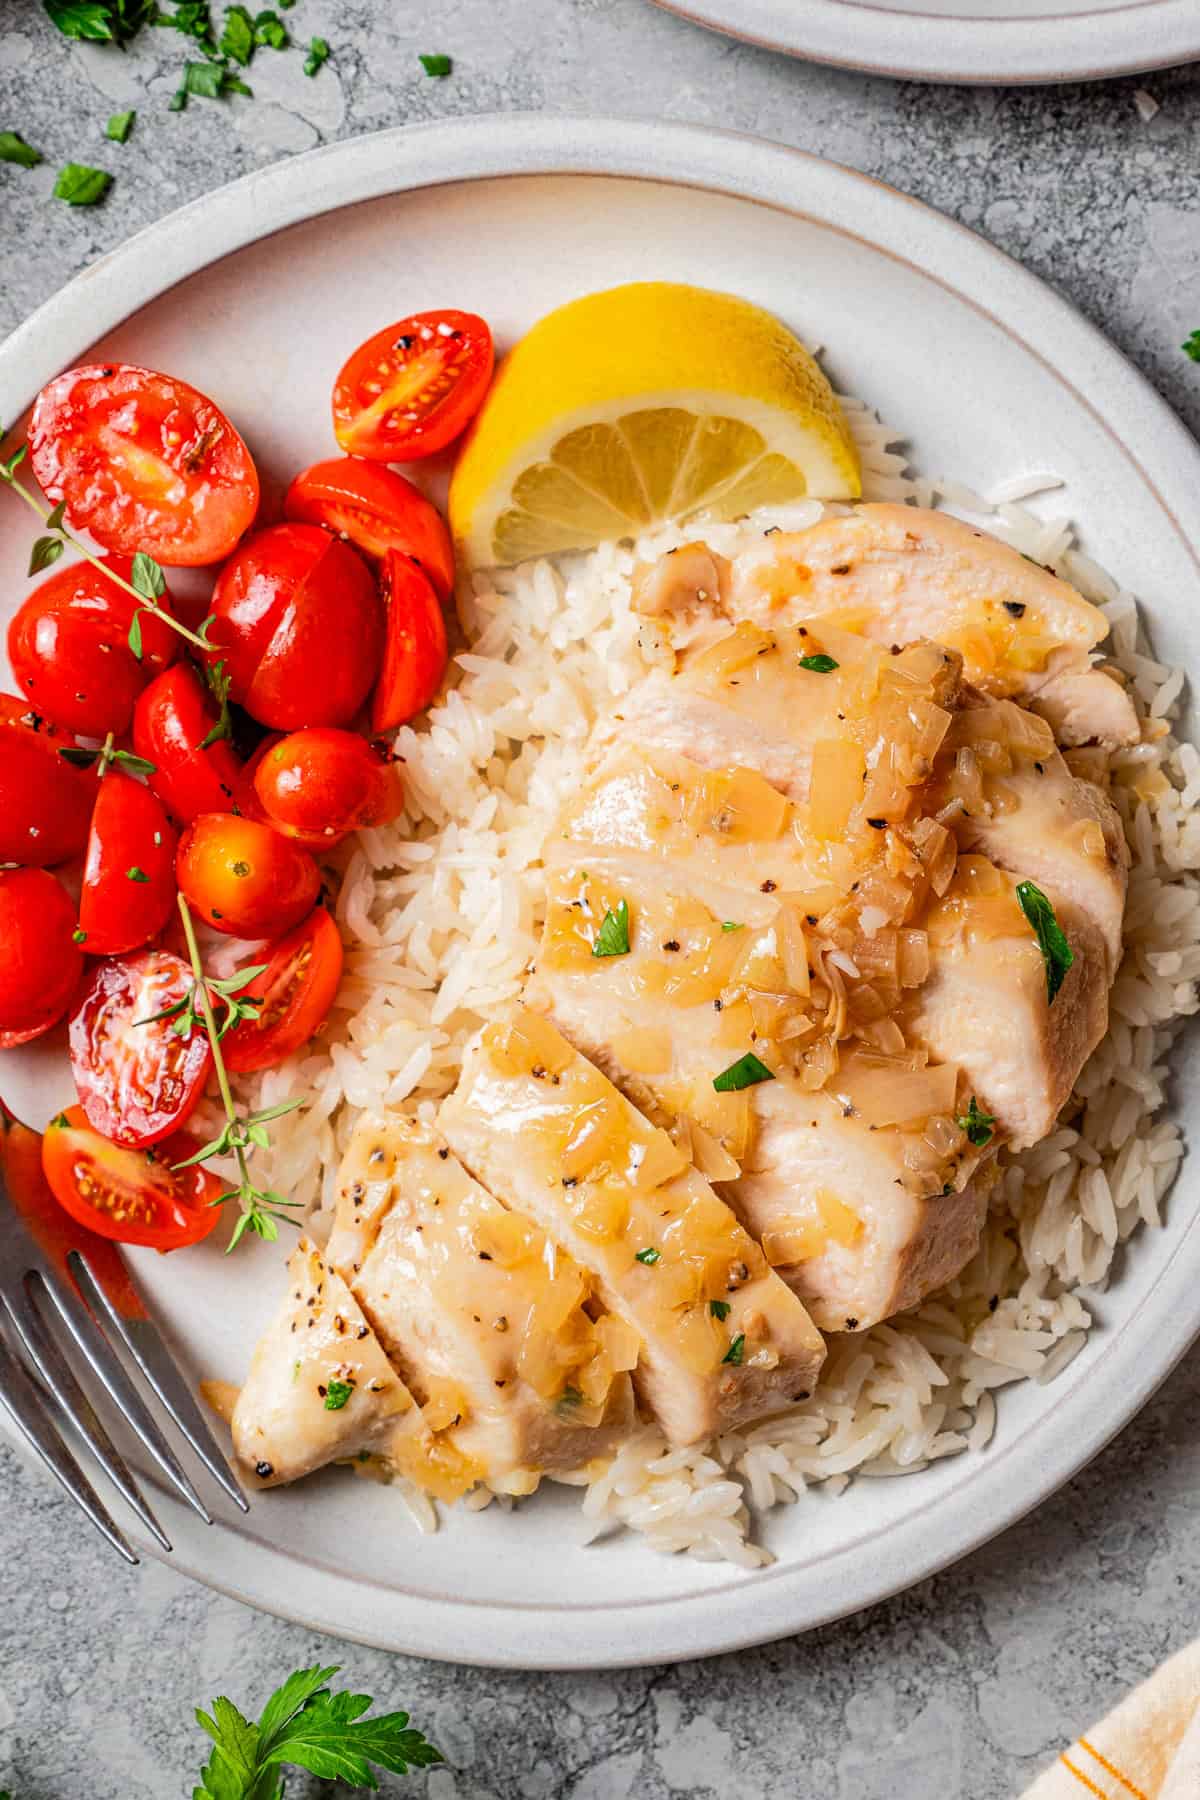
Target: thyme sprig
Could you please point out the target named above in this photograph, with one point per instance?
(236, 1003)
(104, 758)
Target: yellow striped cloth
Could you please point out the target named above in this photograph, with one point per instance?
(1147, 1749)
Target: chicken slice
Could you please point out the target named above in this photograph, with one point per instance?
(320, 1388)
(723, 1340)
(895, 573)
(484, 1318)
(1087, 706)
(986, 1001)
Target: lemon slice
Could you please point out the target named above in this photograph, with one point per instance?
(648, 402)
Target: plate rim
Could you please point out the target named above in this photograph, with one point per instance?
(914, 46)
(999, 1491)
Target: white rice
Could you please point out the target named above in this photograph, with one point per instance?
(440, 914)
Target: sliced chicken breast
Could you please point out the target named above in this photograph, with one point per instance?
(487, 1320)
(724, 1341)
(1087, 706)
(320, 1388)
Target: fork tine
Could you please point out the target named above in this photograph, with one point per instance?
(145, 1343)
(102, 1360)
(50, 1363)
(22, 1401)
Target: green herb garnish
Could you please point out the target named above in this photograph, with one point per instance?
(731, 925)
(436, 65)
(977, 1125)
(336, 1395)
(719, 1309)
(318, 53)
(101, 21)
(269, 29)
(1191, 346)
(14, 149)
(736, 1350)
(612, 939)
(746, 1072)
(103, 759)
(237, 36)
(649, 1257)
(120, 126)
(1051, 938)
(819, 664)
(80, 185)
(135, 874)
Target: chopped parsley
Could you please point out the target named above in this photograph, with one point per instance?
(612, 939)
(819, 664)
(14, 149)
(337, 1394)
(80, 185)
(208, 81)
(1051, 938)
(719, 1309)
(731, 924)
(1191, 346)
(977, 1125)
(736, 1350)
(237, 38)
(120, 126)
(136, 874)
(746, 1072)
(318, 53)
(436, 65)
(570, 1397)
(649, 1257)
(101, 21)
(269, 29)
(79, 935)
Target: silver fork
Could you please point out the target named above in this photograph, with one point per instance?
(62, 1287)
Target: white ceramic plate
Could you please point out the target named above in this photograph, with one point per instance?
(990, 41)
(255, 293)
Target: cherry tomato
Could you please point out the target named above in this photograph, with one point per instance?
(296, 991)
(45, 801)
(244, 878)
(408, 391)
(378, 511)
(69, 648)
(40, 962)
(414, 651)
(134, 1196)
(129, 871)
(172, 719)
(320, 785)
(143, 462)
(137, 1081)
(299, 627)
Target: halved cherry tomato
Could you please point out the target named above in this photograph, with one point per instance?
(69, 648)
(129, 871)
(134, 1196)
(172, 719)
(318, 786)
(243, 877)
(296, 992)
(378, 511)
(414, 651)
(137, 1081)
(39, 960)
(409, 390)
(298, 626)
(45, 801)
(143, 462)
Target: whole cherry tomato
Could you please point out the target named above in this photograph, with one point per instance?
(129, 871)
(45, 799)
(378, 511)
(137, 1077)
(69, 648)
(409, 390)
(298, 626)
(244, 878)
(173, 718)
(296, 992)
(320, 785)
(414, 652)
(143, 462)
(134, 1196)
(41, 962)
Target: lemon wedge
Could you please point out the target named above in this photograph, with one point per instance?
(643, 403)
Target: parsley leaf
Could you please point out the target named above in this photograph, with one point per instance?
(83, 19)
(819, 664)
(120, 126)
(736, 1350)
(318, 53)
(649, 1257)
(237, 37)
(209, 80)
(612, 939)
(436, 65)
(731, 924)
(1051, 938)
(79, 185)
(14, 149)
(269, 29)
(977, 1124)
(1191, 346)
(746, 1072)
(337, 1394)
(719, 1309)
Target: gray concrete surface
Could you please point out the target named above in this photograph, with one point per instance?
(961, 1688)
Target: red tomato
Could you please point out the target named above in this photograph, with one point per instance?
(172, 720)
(299, 627)
(408, 391)
(414, 651)
(69, 648)
(40, 962)
(129, 870)
(45, 801)
(320, 785)
(243, 877)
(143, 462)
(296, 991)
(134, 1196)
(137, 1082)
(378, 511)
